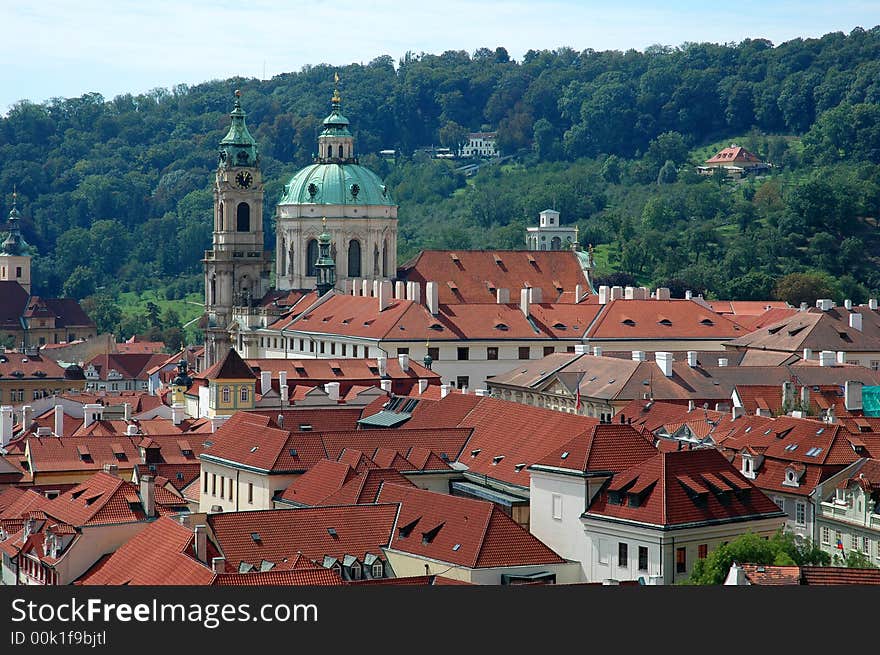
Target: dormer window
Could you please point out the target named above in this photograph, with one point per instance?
(377, 570)
(791, 478)
(355, 570)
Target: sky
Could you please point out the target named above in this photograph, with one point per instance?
(66, 48)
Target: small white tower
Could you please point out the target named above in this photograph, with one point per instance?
(550, 234)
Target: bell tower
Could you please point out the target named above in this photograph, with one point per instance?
(15, 258)
(237, 268)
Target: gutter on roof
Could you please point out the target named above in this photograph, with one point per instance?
(546, 468)
(683, 526)
(245, 467)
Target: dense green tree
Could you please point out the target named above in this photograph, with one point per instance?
(797, 288)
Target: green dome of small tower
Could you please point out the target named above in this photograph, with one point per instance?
(238, 147)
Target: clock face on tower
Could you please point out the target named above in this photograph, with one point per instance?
(244, 179)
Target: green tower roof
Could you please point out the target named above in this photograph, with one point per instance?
(238, 147)
(14, 244)
(336, 184)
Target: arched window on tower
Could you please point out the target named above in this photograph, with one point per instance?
(243, 217)
(329, 151)
(311, 257)
(213, 299)
(385, 258)
(555, 243)
(219, 223)
(354, 258)
(340, 151)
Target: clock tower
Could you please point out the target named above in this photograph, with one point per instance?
(237, 268)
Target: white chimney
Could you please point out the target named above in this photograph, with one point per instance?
(382, 365)
(581, 349)
(852, 395)
(400, 290)
(126, 411)
(285, 391)
(463, 390)
(112, 469)
(535, 295)
(604, 293)
(201, 542)
(578, 292)
(826, 358)
(597, 351)
(722, 361)
(825, 304)
(92, 413)
(445, 389)
(177, 413)
(808, 353)
(692, 358)
(351, 287)
(386, 385)
(27, 416)
(872, 303)
(218, 564)
(737, 412)
(848, 304)
(688, 295)
(629, 293)
(432, 297)
(384, 294)
(375, 293)
(664, 362)
(645, 293)
(638, 355)
(805, 396)
(502, 296)
(616, 293)
(481, 392)
(691, 405)
(403, 360)
(855, 321)
(6, 420)
(282, 379)
(787, 393)
(265, 382)
(332, 390)
(417, 292)
(662, 293)
(365, 287)
(148, 495)
(131, 429)
(423, 384)
(841, 357)
(803, 307)
(59, 421)
(524, 301)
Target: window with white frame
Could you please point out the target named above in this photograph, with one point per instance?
(800, 513)
(780, 502)
(866, 545)
(603, 551)
(854, 542)
(226, 394)
(244, 394)
(376, 569)
(557, 506)
(826, 535)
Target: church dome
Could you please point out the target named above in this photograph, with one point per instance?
(336, 184)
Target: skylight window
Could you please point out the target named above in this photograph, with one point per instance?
(792, 447)
(820, 430)
(256, 536)
(813, 452)
(254, 449)
(497, 459)
(475, 452)
(332, 532)
(564, 455)
(456, 547)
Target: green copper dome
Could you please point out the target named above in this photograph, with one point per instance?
(14, 244)
(238, 147)
(336, 184)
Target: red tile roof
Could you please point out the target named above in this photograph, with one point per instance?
(161, 554)
(734, 155)
(319, 482)
(133, 366)
(661, 319)
(772, 575)
(604, 447)
(664, 498)
(809, 575)
(341, 418)
(279, 535)
(477, 273)
(28, 367)
(461, 531)
(231, 367)
(320, 577)
(365, 487)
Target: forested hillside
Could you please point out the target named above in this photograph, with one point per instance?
(116, 193)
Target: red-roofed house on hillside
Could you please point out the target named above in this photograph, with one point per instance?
(735, 161)
(654, 520)
(121, 371)
(565, 480)
(470, 540)
(847, 509)
(62, 538)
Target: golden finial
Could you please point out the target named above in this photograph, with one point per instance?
(336, 97)
(14, 194)
(238, 93)
(324, 223)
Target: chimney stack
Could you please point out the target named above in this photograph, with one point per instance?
(629, 293)
(722, 361)
(578, 292)
(375, 293)
(92, 413)
(805, 396)
(536, 295)
(524, 296)
(131, 429)
(581, 349)
(365, 288)
(403, 360)
(27, 416)
(664, 362)
(445, 389)
(432, 297)
(126, 411)
(400, 290)
(112, 469)
(841, 357)
(59, 421)
(148, 495)
(848, 304)
(852, 395)
(597, 351)
(688, 295)
(332, 390)
(282, 378)
(177, 413)
(808, 353)
(855, 321)
(382, 365)
(662, 293)
(604, 293)
(384, 295)
(265, 382)
(872, 303)
(691, 405)
(502, 296)
(826, 358)
(825, 304)
(616, 293)
(787, 394)
(638, 355)
(285, 394)
(692, 358)
(201, 542)
(386, 385)
(736, 412)
(423, 384)
(218, 564)
(463, 390)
